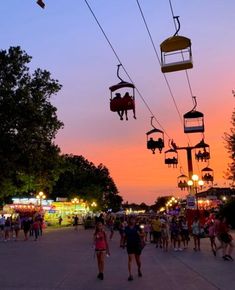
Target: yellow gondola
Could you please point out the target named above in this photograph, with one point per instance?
(176, 52)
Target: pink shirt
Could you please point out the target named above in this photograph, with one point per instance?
(100, 241)
(211, 231)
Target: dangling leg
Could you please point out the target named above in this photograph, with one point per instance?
(120, 114)
(134, 116)
(126, 115)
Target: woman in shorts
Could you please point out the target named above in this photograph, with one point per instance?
(134, 237)
(101, 248)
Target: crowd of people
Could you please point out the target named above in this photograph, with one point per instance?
(10, 227)
(164, 232)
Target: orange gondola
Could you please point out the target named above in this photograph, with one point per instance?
(122, 103)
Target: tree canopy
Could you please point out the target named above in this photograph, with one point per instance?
(29, 159)
(28, 123)
(82, 178)
(230, 145)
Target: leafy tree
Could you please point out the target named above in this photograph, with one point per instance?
(82, 178)
(160, 202)
(230, 145)
(28, 124)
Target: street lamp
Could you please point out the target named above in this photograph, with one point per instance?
(75, 201)
(94, 204)
(195, 183)
(40, 197)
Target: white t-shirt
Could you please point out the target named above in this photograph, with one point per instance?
(2, 221)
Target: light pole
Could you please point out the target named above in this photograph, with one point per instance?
(93, 205)
(195, 183)
(40, 197)
(75, 201)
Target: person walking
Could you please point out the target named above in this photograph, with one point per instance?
(17, 227)
(26, 228)
(165, 234)
(184, 231)
(7, 229)
(212, 235)
(134, 242)
(226, 239)
(196, 230)
(175, 234)
(101, 248)
(2, 224)
(75, 222)
(36, 228)
(156, 225)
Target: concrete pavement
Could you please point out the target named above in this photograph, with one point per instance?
(63, 259)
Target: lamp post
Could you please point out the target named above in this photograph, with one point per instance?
(40, 197)
(93, 205)
(75, 201)
(195, 183)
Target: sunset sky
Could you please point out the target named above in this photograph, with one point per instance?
(65, 39)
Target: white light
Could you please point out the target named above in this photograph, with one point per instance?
(195, 177)
(190, 183)
(200, 182)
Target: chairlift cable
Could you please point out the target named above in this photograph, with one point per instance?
(186, 72)
(159, 61)
(125, 70)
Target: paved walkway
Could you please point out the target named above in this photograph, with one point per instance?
(63, 259)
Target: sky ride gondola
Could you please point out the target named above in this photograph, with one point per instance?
(202, 151)
(182, 181)
(207, 175)
(122, 103)
(177, 48)
(171, 158)
(157, 143)
(41, 3)
(194, 120)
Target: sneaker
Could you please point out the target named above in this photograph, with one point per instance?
(226, 258)
(130, 278)
(229, 257)
(180, 249)
(175, 249)
(100, 276)
(139, 273)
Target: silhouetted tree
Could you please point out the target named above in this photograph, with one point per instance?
(160, 202)
(82, 178)
(28, 156)
(230, 140)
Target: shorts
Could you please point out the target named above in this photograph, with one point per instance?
(225, 238)
(1, 227)
(156, 235)
(100, 250)
(136, 250)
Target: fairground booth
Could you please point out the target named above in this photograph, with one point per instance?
(51, 210)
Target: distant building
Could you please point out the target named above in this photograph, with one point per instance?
(217, 193)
